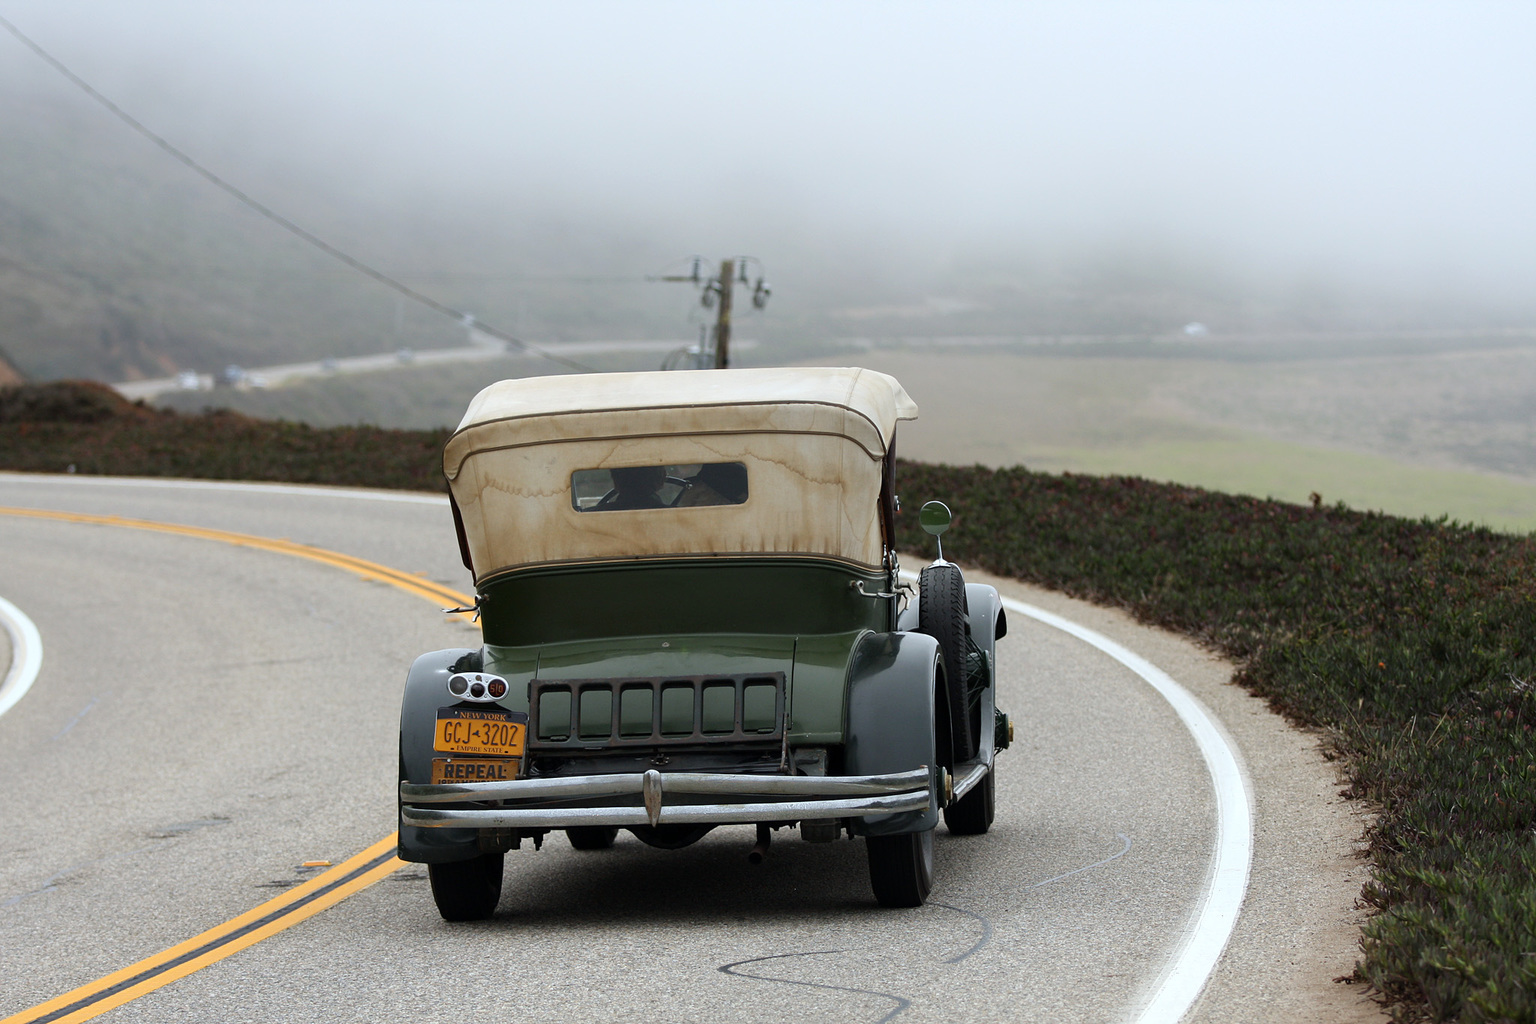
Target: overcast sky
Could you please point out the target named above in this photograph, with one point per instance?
(1391, 141)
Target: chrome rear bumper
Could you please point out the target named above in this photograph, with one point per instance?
(647, 798)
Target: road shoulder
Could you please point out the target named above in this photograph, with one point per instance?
(1299, 927)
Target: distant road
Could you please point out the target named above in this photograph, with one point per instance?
(480, 349)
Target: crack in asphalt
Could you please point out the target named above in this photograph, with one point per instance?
(986, 931)
(165, 832)
(901, 1003)
(1089, 867)
(76, 720)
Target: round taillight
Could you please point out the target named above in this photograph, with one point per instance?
(477, 689)
(457, 685)
(496, 688)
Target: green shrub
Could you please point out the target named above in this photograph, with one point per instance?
(88, 428)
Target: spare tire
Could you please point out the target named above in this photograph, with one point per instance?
(941, 613)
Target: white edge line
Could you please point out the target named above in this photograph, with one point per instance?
(26, 655)
(1186, 975)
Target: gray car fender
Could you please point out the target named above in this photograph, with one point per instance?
(988, 623)
(426, 689)
(891, 720)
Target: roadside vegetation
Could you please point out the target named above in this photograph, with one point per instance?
(84, 427)
(1410, 644)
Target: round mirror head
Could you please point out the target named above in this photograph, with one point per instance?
(934, 517)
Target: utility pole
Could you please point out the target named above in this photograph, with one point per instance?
(721, 288)
(727, 285)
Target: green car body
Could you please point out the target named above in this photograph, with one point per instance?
(668, 692)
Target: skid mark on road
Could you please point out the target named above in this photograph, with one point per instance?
(982, 939)
(51, 882)
(901, 1003)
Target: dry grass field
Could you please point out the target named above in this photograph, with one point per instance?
(1421, 435)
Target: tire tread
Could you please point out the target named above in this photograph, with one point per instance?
(941, 614)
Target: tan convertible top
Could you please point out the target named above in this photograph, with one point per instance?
(813, 440)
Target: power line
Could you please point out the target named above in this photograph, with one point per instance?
(277, 218)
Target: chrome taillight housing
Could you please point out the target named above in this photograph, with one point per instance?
(477, 686)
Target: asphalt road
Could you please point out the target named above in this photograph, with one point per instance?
(210, 717)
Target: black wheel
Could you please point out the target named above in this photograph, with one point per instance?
(901, 868)
(971, 815)
(592, 837)
(467, 890)
(941, 614)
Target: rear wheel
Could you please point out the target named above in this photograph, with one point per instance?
(592, 837)
(467, 890)
(971, 815)
(941, 615)
(901, 868)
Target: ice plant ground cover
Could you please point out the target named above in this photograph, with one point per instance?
(1410, 644)
(83, 427)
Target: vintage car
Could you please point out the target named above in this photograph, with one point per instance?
(693, 616)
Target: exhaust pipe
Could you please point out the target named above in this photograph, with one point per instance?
(764, 837)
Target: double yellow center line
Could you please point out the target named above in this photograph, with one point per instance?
(283, 911)
(418, 585)
(215, 944)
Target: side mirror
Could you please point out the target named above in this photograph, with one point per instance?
(934, 518)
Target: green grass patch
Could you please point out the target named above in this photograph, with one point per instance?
(1292, 472)
(1410, 642)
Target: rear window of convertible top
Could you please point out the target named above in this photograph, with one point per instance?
(626, 488)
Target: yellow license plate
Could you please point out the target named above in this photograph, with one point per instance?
(493, 732)
(462, 769)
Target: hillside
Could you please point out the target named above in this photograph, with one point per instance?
(117, 263)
